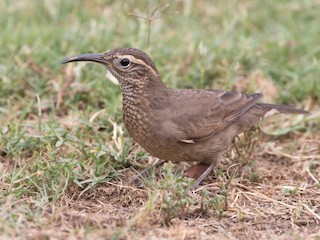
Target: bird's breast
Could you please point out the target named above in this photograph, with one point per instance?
(144, 116)
(136, 116)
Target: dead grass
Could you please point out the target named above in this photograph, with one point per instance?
(281, 203)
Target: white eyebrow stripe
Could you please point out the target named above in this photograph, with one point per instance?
(141, 62)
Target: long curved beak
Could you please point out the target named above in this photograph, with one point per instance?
(95, 57)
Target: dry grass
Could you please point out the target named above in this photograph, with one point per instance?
(67, 165)
(275, 196)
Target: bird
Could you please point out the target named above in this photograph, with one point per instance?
(189, 125)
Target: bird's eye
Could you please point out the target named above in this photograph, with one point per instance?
(125, 62)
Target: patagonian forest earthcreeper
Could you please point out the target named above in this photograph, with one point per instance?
(179, 124)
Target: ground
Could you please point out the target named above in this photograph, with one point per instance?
(69, 169)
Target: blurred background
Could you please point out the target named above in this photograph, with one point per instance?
(199, 44)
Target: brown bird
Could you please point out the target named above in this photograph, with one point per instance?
(179, 124)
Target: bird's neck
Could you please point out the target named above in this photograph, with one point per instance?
(144, 93)
(141, 103)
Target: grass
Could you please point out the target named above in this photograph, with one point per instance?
(66, 161)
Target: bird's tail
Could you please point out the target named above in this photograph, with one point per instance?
(287, 109)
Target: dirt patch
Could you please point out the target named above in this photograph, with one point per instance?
(282, 203)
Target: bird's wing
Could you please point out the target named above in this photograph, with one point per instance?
(199, 114)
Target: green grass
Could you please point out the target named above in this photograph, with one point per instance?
(48, 151)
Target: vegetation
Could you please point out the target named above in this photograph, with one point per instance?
(67, 164)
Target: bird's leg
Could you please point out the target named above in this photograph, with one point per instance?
(202, 176)
(195, 171)
(146, 172)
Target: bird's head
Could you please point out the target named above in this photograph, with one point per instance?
(126, 64)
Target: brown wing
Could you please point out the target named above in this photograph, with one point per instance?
(237, 104)
(199, 114)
